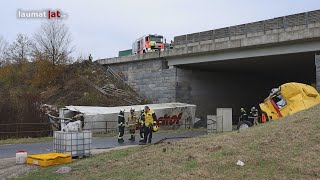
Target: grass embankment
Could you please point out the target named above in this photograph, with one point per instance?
(285, 149)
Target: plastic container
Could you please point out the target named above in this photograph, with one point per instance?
(73, 143)
(21, 157)
(49, 159)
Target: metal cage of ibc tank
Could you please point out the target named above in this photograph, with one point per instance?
(74, 143)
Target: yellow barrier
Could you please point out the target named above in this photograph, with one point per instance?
(49, 159)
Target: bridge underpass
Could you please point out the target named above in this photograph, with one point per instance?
(235, 66)
(241, 82)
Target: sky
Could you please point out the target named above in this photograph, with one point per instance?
(103, 28)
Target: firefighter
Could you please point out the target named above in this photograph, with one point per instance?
(121, 125)
(141, 120)
(244, 115)
(152, 44)
(171, 44)
(90, 57)
(254, 114)
(132, 121)
(150, 121)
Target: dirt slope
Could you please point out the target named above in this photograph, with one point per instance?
(73, 87)
(284, 149)
(29, 91)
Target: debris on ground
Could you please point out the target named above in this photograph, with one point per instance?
(9, 169)
(64, 170)
(240, 163)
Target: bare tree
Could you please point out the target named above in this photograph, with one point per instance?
(20, 50)
(53, 41)
(3, 49)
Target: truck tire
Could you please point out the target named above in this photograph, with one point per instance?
(244, 125)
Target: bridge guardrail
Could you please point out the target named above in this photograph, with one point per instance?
(255, 27)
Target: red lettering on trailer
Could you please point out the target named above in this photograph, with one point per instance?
(169, 120)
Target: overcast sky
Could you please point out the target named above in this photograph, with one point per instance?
(105, 27)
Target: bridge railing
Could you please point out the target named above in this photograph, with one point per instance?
(302, 19)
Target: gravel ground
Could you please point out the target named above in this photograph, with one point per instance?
(8, 168)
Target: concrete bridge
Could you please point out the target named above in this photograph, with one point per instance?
(228, 67)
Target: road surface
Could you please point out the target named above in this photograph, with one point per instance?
(8, 151)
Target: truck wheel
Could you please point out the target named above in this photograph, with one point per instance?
(244, 125)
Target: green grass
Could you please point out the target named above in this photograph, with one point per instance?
(191, 164)
(284, 149)
(183, 130)
(25, 140)
(94, 163)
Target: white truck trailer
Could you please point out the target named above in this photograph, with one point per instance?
(105, 119)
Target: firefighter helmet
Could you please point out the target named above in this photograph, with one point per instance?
(155, 128)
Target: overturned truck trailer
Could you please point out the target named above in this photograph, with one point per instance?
(105, 119)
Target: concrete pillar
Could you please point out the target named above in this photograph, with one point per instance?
(317, 63)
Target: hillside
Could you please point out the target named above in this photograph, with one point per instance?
(284, 149)
(30, 90)
(75, 86)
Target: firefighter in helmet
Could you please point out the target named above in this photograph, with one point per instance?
(254, 114)
(132, 121)
(244, 115)
(142, 126)
(121, 125)
(150, 122)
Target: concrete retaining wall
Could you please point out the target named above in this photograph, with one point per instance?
(151, 79)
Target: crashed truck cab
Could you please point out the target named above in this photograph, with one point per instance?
(288, 99)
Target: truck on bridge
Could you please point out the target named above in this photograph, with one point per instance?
(148, 43)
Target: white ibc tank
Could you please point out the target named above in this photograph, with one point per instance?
(224, 119)
(21, 157)
(73, 143)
